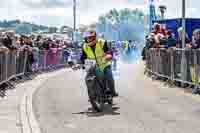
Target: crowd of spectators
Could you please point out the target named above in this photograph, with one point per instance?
(161, 37)
(32, 44)
(12, 41)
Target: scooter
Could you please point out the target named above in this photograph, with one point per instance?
(98, 92)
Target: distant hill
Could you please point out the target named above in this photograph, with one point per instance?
(22, 27)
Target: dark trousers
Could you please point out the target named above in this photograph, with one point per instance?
(109, 77)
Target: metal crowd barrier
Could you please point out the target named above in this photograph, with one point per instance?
(48, 59)
(3, 67)
(11, 65)
(18, 63)
(182, 65)
(21, 59)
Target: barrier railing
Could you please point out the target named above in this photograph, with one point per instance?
(3, 67)
(21, 59)
(182, 65)
(18, 63)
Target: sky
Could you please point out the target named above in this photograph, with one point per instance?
(60, 12)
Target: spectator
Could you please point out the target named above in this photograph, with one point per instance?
(179, 41)
(29, 42)
(38, 41)
(157, 28)
(163, 40)
(25, 44)
(66, 53)
(195, 40)
(163, 31)
(171, 41)
(27, 47)
(46, 44)
(8, 42)
(3, 48)
(17, 43)
(158, 37)
(149, 41)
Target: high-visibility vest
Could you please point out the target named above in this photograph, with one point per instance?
(99, 52)
(126, 45)
(195, 77)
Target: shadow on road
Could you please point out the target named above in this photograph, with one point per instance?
(3, 89)
(107, 111)
(2, 93)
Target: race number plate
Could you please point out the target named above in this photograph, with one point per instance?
(90, 62)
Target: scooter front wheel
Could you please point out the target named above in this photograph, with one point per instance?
(97, 104)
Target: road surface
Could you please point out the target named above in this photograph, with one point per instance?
(144, 106)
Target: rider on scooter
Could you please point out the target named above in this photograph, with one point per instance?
(97, 49)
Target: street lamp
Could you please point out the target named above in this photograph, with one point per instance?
(163, 9)
(74, 15)
(183, 23)
(183, 61)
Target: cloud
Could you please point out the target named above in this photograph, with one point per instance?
(46, 3)
(60, 12)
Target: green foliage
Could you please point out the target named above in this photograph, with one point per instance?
(120, 16)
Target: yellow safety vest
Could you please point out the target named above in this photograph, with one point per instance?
(99, 52)
(126, 45)
(195, 77)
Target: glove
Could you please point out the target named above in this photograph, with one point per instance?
(83, 67)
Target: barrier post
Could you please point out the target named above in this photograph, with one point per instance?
(2, 67)
(45, 59)
(159, 62)
(25, 62)
(183, 67)
(152, 52)
(152, 61)
(196, 70)
(6, 65)
(172, 65)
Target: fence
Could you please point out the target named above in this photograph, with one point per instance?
(174, 64)
(18, 63)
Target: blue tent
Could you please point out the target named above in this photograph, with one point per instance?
(174, 24)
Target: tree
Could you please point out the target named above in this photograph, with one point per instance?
(128, 23)
(102, 19)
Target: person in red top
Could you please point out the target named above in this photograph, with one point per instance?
(164, 31)
(158, 38)
(159, 34)
(157, 29)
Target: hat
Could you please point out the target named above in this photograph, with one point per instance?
(197, 31)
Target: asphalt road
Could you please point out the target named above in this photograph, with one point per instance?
(144, 106)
